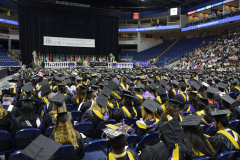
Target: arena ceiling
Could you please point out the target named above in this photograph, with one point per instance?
(139, 5)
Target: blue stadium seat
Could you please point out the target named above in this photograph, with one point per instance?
(150, 137)
(185, 113)
(66, 150)
(18, 156)
(132, 139)
(129, 121)
(204, 127)
(204, 158)
(49, 131)
(76, 115)
(25, 135)
(231, 94)
(235, 95)
(70, 107)
(234, 125)
(6, 137)
(228, 155)
(84, 127)
(210, 130)
(102, 125)
(93, 146)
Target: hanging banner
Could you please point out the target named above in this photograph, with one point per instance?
(68, 42)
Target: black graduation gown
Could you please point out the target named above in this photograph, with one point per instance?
(234, 115)
(221, 143)
(234, 90)
(119, 114)
(49, 120)
(15, 111)
(72, 157)
(217, 98)
(171, 93)
(21, 144)
(180, 98)
(113, 101)
(134, 154)
(121, 88)
(161, 151)
(90, 116)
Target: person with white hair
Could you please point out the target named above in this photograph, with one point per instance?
(7, 104)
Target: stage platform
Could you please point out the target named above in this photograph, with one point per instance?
(71, 65)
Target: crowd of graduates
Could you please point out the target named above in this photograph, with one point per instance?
(175, 103)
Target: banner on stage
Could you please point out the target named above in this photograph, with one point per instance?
(68, 42)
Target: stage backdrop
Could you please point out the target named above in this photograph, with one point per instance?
(39, 19)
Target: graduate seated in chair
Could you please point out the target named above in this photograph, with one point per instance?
(171, 147)
(118, 142)
(58, 105)
(79, 97)
(225, 139)
(195, 141)
(7, 104)
(98, 113)
(64, 133)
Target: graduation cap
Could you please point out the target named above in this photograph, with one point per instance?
(67, 81)
(106, 91)
(45, 89)
(93, 82)
(27, 77)
(212, 90)
(79, 79)
(28, 103)
(193, 94)
(191, 120)
(235, 81)
(62, 117)
(116, 81)
(94, 87)
(220, 112)
(175, 82)
(164, 83)
(102, 85)
(221, 85)
(102, 101)
(174, 103)
(150, 80)
(203, 100)
(42, 148)
(58, 99)
(128, 97)
(152, 86)
(171, 132)
(43, 82)
(227, 100)
(161, 91)
(5, 87)
(81, 87)
(137, 89)
(126, 92)
(90, 94)
(8, 94)
(150, 105)
(27, 88)
(195, 85)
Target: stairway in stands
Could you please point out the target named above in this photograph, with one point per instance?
(152, 52)
(180, 48)
(157, 58)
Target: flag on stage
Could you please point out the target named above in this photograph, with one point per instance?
(107, 58)
(39, 57)
(48, 58)
(54, 57)
(76, 58)
(44, 58)
(95, 58)
(63, 57)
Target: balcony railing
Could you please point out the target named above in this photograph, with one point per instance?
(127, 38)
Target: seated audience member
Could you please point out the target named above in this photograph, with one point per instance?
(227, 103)
(235, 86)
(171, 147)
(64, 133)
(7, 104)
(195, 141)
(58, 105)
(97, 114)
(225, 139)
(84, 106)
(80, 97)
(44, 110)
(127, 111)
(213, 104)
(118, 142)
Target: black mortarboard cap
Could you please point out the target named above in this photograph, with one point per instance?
(152, 86)
(137, 89)
(94, 87)
(27, 88)
(116, 81)
(93, 81)
(90, 94)
(164, 83)
(150, 105)
(58, 99)
(27, 77)
(126, 92)
(212, 90)
(67, 81)
(161, 91)
(235, 81)
(111, 85)
(106, 91)
(195, 85)
(8, 94)
(191, 120)
(42, 148)
(129, 97)
(175, 82)
(43, 82)
(150, 80)
(102, 101)
(174, 103)
(227, 100)
(45, 89)
(220, 112)
(171, 132)
(62, 117)
(222, 85)
(193, 94)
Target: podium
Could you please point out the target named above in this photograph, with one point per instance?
(71, 65)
